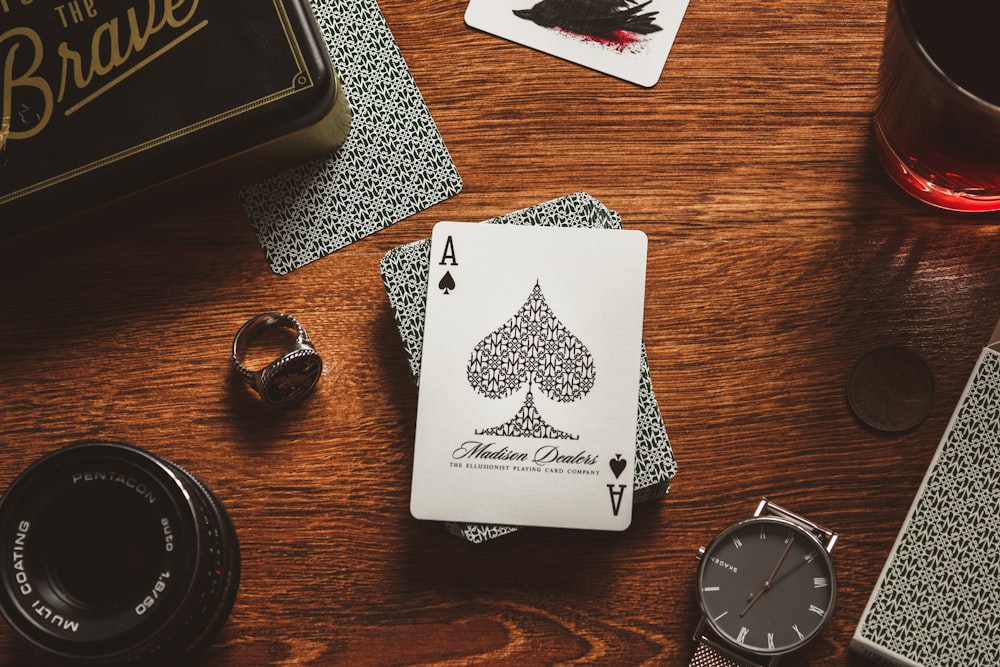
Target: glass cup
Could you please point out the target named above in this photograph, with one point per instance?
(937, 119)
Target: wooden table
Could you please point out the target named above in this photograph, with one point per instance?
(779, 254)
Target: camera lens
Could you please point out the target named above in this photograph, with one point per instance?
(110, 554)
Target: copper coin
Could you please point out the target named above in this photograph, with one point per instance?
(891, 389)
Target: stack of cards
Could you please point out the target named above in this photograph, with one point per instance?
(562, 441)
(629, 39)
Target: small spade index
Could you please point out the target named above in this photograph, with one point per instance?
(447, 283)
(618, 465)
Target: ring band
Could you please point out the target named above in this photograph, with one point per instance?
(290, 377)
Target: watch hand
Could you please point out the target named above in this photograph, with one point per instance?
(777, 566)
(788, 572)
(768, 582)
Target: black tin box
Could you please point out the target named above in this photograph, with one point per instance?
(102, 98)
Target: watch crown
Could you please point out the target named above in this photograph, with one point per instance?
(701, 553)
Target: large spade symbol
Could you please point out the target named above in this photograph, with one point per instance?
(533, 347)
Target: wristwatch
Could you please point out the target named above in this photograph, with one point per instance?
(766, 587)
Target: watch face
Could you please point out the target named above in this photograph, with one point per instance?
(766, 585)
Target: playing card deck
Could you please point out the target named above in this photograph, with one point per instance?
(936, 601)
(406, 272)
(628, 39)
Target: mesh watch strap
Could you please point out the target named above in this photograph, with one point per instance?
(709, 655)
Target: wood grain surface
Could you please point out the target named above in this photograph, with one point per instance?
(779, 254)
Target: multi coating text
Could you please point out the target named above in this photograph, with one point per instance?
(24, 586)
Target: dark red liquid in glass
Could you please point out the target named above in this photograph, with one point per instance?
(937, 124)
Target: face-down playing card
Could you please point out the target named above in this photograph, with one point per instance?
(629, 39)
(527, 406)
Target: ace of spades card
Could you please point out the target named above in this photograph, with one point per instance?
(528, 405)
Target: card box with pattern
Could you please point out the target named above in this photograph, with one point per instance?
(405, 272)
(937, 601)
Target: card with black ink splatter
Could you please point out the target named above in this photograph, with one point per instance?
(628, 39)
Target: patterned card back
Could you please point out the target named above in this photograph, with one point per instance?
(393, 165)
(405, 271)
(937, 602)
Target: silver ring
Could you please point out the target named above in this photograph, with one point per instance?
(290, 377)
